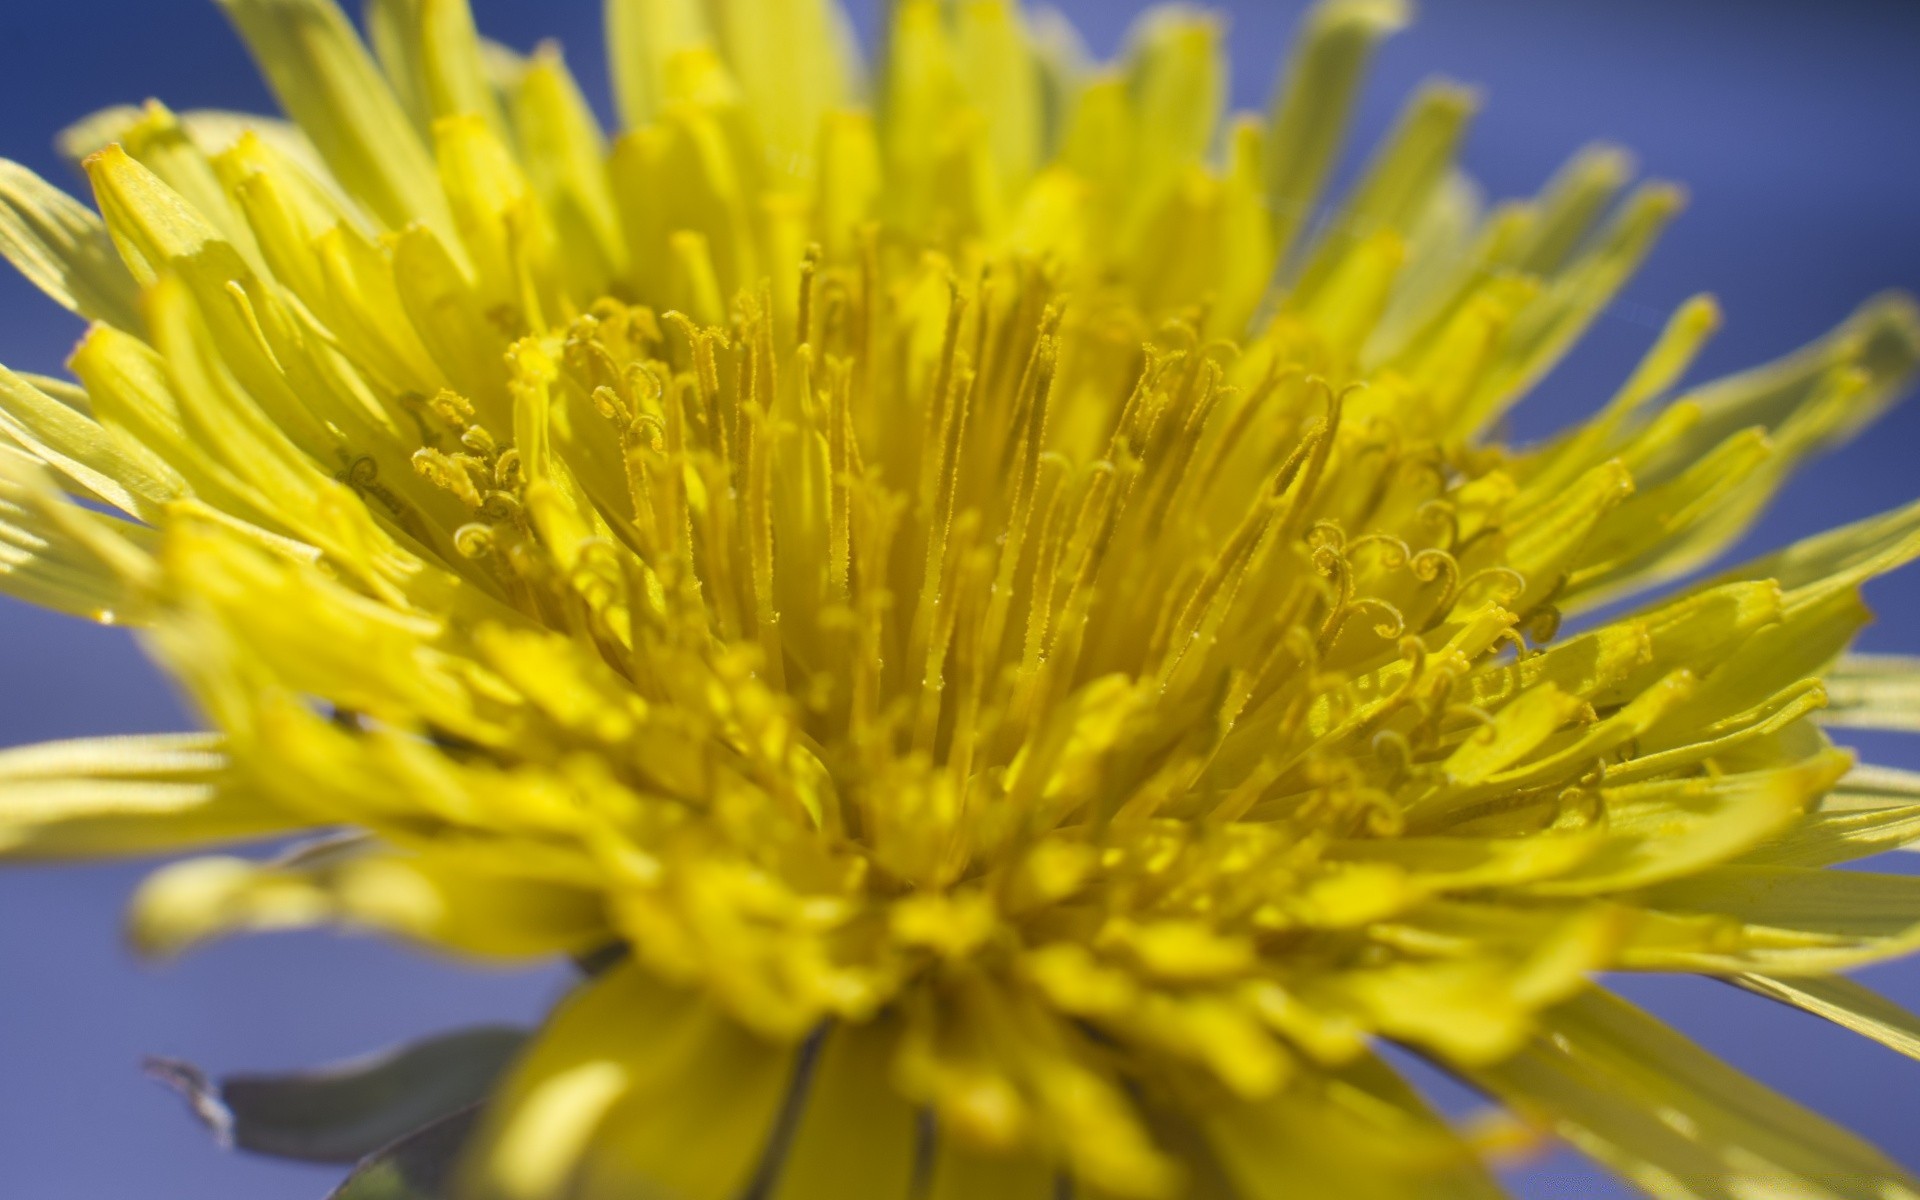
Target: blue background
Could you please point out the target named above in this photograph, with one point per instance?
(1793, 125)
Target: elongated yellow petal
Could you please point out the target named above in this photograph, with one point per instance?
(643, 36)
(190, 902)
(1177, 84)
(679, 1101)
(697, 1132)
(437, 63)
(1825, 838)
(1845, 1003)
(565, 155)
(612, 1034)
(855, 1136)
(1776, 920)
(1881, 340)
(1572, 203)
(1316, 93)
(1819, 566)
(959, 1173)
(1574, 298)
(159, 142)
(123, 796)
(118, 470)
(1480, 1007)
(328, 83)
(1874, 692)
(789, 59)
(1398, 182)
(1669, 829)
(67, 557)
(1871, 788)
(1678, 1122)
(63, 248)
(1358, 1133)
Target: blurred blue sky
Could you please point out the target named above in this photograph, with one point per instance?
(1792, 124)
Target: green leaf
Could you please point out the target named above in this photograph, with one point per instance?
(342, 1114)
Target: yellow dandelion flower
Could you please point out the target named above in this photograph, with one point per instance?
(1008, 643)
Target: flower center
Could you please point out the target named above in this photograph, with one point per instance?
(1019, 611)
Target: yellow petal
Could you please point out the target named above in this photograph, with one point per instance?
(1843, 558)
(1676, 1121)
(437, 64)
(427, 900)
(1404, 173)
(1357, 1133)
(635, 1088)
(789, 57)
(643, 36)
(1670, 828)
(856, 1135)
(67, 557)
(616, 1032)
(327, 82)
(565, 156)
(1874, 691)
(960, 1174)
(1845, 1003)
(1826, 838)
(995, 62)
(1550, 326)
(160, 143)
(118, 470)
(63, 248)
(1775, 920)
(125, 795)
(1315, 99)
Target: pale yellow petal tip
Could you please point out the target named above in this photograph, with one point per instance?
(1449, 99)
(1889, 327)
(1700, 316)
(1330, 18)
(1603, 165)
(1661, 198)
(185, 904)
(1180, 20)
(112, 156)
(1899, 308)
(84, 137)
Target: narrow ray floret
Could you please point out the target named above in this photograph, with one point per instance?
(985, 609)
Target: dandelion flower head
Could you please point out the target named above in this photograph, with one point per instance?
(1013, 645)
